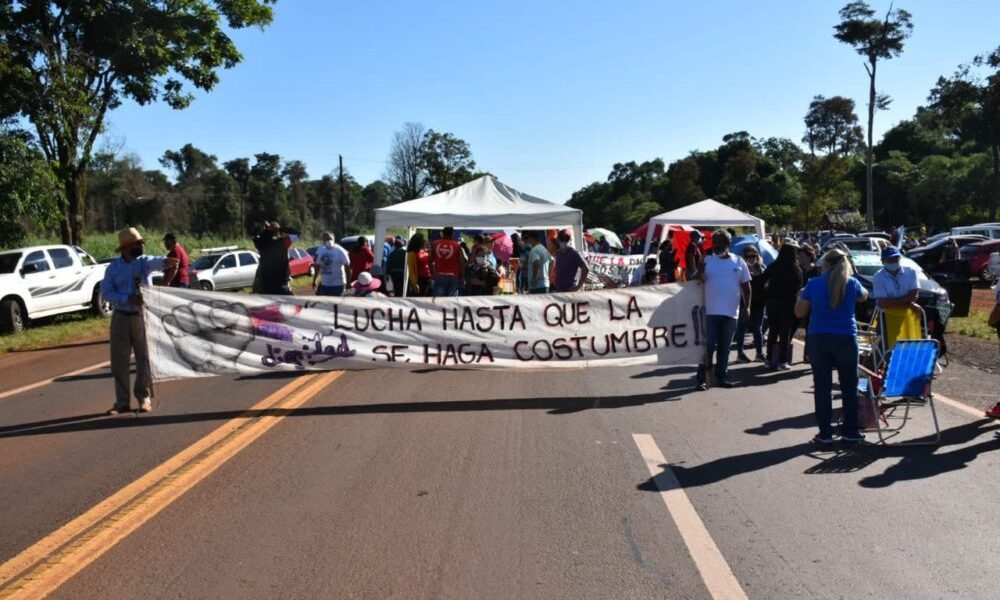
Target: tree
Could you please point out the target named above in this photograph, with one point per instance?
(239, 170)
(64, 65)
(970, 101)
(832, 126)
(376, 195)
(446, 161)
(295, 173)
(873, 39)
(404, 172)
(190, 164)
(27, 190)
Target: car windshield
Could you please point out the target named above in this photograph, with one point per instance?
(205, 262)
(8, 262)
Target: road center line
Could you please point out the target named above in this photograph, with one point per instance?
(714, 570)
(38, 384)
(49, 563)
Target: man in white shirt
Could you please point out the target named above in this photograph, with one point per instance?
(333, 267)
(727, 281)
(895, 285)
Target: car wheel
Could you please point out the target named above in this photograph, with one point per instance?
(205, 285)
(99, 307)
(11, 317)
(986, 276)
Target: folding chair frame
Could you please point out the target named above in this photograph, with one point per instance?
(886, 433)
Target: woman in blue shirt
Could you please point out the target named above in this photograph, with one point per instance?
(830, 300)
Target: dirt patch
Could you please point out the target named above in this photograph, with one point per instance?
(974, 352)
(983, 298)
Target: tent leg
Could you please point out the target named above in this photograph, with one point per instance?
(406, 270)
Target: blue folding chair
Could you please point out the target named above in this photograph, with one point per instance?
(911, 371)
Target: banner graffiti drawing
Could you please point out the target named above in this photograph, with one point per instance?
(193, 333)
(613, 270)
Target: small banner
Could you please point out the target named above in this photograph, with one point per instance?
(194, 333)
(613, 270)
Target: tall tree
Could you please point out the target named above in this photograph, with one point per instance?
(971, 100)
(27, 190)
(446, 161)
(875, 40)
(295, 173)
(190, 164)
(239, 170)
(64, 65)
(832, 126)
(404, 170)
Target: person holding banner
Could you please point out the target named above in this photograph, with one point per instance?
(121, 287)
(539, 263)
(273, 274)
(727, 281)
(571, 269)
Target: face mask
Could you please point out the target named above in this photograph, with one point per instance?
(480, 260)
(892, 268)
(563, 244)
(328, 243)
(721, 251)
(138, 250)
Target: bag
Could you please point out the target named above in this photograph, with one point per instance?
(867, 414)
(994, 320)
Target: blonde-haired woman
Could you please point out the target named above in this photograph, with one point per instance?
(830, 300)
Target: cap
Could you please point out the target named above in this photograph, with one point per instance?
(128, 236)
(169, 237)
(890, 252)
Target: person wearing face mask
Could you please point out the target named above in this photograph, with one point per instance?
(755, 320)
(483, 277)
(784, 280)
(571, 269)
(539, 263)
(333, 268)
(727, 296)
(121, 287)
(895, 285)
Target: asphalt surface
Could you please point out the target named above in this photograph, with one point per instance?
(450, 484)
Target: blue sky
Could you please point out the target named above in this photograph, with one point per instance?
(549, 95)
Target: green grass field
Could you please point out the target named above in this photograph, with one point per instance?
(975, 325)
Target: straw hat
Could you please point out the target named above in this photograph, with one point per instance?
(128, 236)
(366, 283)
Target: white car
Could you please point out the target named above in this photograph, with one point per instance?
(859, 243)
(227, 268)
(41, 281)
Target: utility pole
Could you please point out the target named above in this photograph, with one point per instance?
(341, 226)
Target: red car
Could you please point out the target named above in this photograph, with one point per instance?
(978, 255)
(299, 262)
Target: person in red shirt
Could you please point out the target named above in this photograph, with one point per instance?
(447, 264)
(362, 257)
(175, 250)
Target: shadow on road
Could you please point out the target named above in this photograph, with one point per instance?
(916, 462)
(555, 406)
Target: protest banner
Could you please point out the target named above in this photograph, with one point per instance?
(192, 333)
(613, 270)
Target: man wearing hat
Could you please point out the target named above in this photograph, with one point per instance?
(895, 285)
(175, 250)
(121, 287)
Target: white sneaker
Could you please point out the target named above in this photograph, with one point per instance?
(784, 367)
(146, 405)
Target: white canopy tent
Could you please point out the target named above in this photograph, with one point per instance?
(707, 213)
(483, 203)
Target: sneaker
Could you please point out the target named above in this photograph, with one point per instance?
(145, 406)
(856, 438)
(118, 409)
(725, 383)
(759, 358)
(784, 367)
(825, 440)
(743, 358)
(702, 387)
(994, 413)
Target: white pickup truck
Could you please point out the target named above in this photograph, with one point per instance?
(41, 281)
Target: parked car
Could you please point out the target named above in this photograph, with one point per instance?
(41, 281)
(995, 265)
(224, 269)
(989, 230)
(930, 255)
(877, 234)
(300, 262)
(978, 256)
(858, 243)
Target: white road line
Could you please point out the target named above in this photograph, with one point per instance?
(712, 566)
(38, 384)
(939, 397)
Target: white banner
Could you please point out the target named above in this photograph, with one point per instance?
(194, 333)
(613, 270)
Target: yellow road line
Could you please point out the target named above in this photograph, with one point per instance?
(712, 566)
(42, 568)
(38, 384)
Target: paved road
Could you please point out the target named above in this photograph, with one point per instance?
(445, 484)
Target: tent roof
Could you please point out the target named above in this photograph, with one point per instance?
(708, 213)
(482, 203)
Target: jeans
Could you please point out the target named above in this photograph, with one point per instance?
(754, 325)
(446, 286)
(330, 290)
(539, 290)
(719, 332)
(840, 352)
(397, 284)
(781, 327)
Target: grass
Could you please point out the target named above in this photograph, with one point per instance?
(975, 325)
(54, 331)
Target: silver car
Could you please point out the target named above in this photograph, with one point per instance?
(224, 270)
